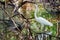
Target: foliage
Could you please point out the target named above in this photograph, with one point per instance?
(36, 27)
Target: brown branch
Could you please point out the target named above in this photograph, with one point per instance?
(3, 3)
(11, 19)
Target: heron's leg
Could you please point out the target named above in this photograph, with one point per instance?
(42, 27)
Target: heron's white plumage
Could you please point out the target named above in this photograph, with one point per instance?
(41, 19)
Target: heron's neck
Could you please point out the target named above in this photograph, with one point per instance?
(36, 10)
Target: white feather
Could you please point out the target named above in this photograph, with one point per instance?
(41, 19)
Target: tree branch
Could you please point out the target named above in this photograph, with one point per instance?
(3, 3)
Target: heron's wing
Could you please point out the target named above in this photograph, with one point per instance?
(44, 21)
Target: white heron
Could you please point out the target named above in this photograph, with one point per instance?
(41, 20)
